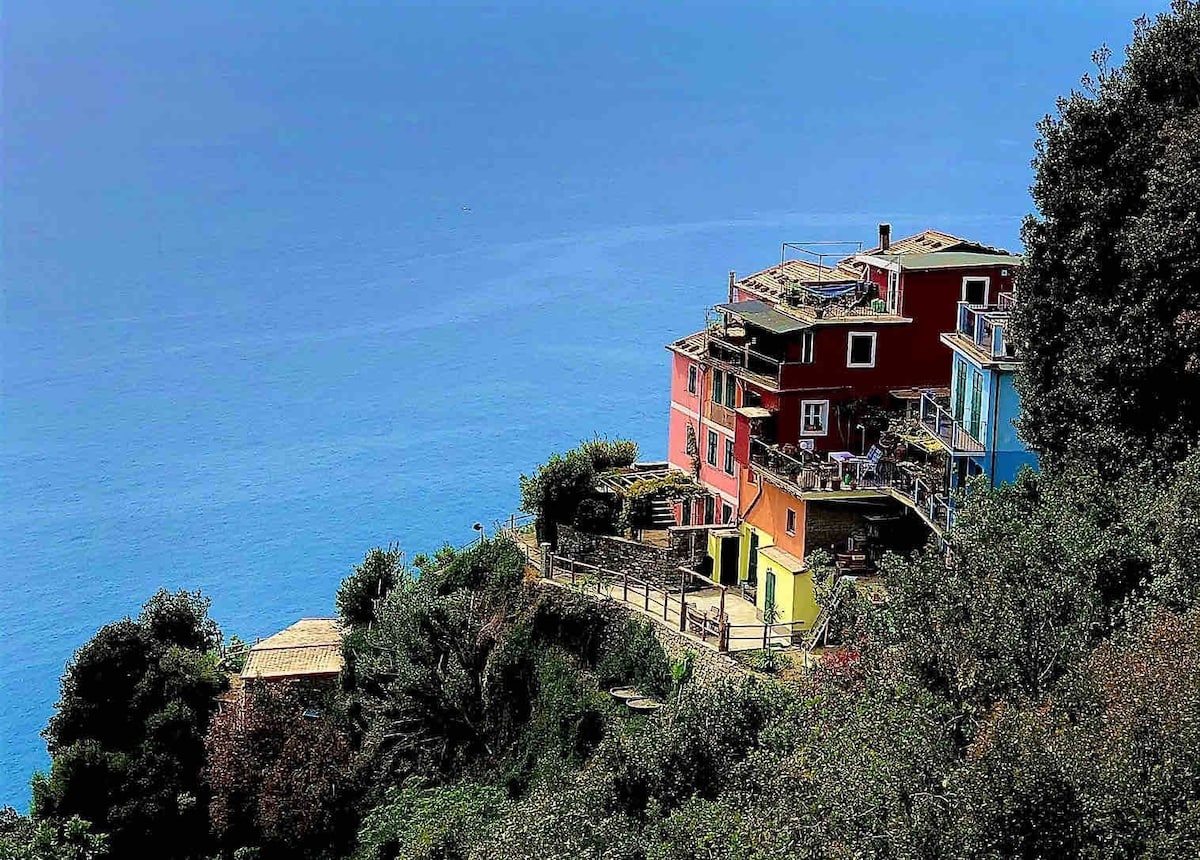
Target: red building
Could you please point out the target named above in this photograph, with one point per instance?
(806, 352)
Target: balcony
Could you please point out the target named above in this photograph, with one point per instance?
(836, 300)
(803, 472)
(923, 487)
(984, 326)
(938, 422)
(765, 370)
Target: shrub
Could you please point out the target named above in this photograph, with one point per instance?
(370, 582)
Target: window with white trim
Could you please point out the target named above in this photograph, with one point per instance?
(814, 417)
(975, 290)
(691, 379)
(860, 349)
(712, 448)
(726, 513)
(893, 292)
(728, 456)
(806, 346)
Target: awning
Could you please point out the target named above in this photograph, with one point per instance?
(764, 316)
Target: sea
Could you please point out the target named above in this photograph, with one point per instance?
(286, 280)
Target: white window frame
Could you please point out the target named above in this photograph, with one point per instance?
(807, 346)
(726, 513)
(893, 292)
(824, 407)
(790, 522)
(693, 379)
(987, 287)
(850, 336)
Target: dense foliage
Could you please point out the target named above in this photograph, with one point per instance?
(370, 582)
(562, 490)
(127, 736)
(1109, 317)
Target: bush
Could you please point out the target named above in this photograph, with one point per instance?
(370, 582)
(608, 454)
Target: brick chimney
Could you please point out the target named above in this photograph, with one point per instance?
(885, 237)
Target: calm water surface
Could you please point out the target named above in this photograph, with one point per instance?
(283, 283)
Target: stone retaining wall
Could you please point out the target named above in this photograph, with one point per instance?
(654, 564)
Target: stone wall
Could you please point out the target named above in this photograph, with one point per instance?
(708, 665)
(655, 564)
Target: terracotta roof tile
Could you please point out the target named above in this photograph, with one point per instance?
(311, 646)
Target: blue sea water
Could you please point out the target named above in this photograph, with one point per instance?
(283, 281)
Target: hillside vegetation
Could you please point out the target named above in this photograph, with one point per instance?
(1035, 693)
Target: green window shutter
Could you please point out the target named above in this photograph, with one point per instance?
(718, 382)
(730, 391)
(769, 599)
(976, 403)
(960, 390)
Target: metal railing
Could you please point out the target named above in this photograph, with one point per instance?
(985, 325)
(937, 419)
(743, 357)
(809, 474)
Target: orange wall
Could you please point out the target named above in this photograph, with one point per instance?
(769, 514)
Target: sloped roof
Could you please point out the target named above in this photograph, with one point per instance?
(933, 241)
(772, 282)
(956, 260)
(311, 646)
(764, 316)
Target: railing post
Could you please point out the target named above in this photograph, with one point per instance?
(625, 585)
(571, 568)
(646, 600)
(547, 561)
(722, 634)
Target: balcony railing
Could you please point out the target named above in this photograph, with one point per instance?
(809, 474)
(836, 300)
(924, 489)
(985, 326)
(936, 418)
(741, 356)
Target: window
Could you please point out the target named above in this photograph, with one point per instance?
(685, 514)
(726, 513)
(860, 349)
(806, 346)
(691, 379)
(730, 390)
(709, 504)
(975, 291)
(752, 564)
(718, 383)
(728, 456)
(791, 521)
(712, 448)
(814, 417)
(893, 292)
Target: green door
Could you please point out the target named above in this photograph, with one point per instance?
(769, 599)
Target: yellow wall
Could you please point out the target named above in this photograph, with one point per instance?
(795, 599)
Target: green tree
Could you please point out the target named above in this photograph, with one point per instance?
(1109, 317)
(126, 739)
(370, 582)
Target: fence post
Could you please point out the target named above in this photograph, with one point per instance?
(666, 602)
(547, 561)
(682, 613)
(571, 567)
(722, 634)
(646, 601)
(625, 585)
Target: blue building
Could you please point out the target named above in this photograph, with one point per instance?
(978, 427)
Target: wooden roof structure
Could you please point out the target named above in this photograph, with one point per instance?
(310, 648)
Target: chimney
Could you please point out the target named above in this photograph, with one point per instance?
(885, 237)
